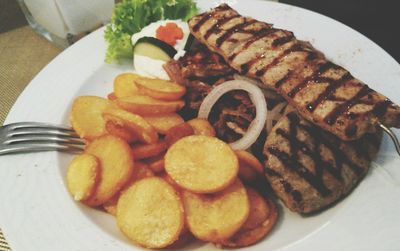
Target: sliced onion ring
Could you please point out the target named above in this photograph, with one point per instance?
(274, 114)
(256, 96)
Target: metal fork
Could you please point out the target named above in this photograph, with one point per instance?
(35, 136)
(393, 136)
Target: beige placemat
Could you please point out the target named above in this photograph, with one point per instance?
(23, 53)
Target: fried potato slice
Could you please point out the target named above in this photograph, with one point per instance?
(83, 176)
(170, 181)
(137, 124)
(177, 132)
(262, 217)
(116, 163)
(121, 131)
(183, 240)
(150, 213)
(111, 96)
(216, 217)
(86, 116)
(142, 151)
(141, 171)
(246, 174)
(202, 127)
(124, 85)
(163, 122)
(145, 105)
(201, 164)
(156, 163)
(259, 210)
(159, 88)
(248, 159)
(110, 206)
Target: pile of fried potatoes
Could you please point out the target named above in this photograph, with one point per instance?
(165, 180)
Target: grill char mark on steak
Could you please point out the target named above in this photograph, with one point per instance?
(314, 163)
(314, 170)
(331, 98)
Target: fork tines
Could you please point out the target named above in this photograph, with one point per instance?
(34, 136)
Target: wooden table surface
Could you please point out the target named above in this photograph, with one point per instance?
(23, 53)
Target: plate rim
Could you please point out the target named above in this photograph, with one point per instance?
(51, 157)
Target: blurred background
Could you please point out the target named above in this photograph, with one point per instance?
(379, 20)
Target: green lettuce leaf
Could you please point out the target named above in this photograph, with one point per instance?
(130, 16)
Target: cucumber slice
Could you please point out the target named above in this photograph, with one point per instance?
(154, 48)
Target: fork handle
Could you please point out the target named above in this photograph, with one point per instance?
(26, 148)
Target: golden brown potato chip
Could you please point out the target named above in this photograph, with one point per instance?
(116, 163)
(83, 175)
(177, 132)
(259, 210)
(202, 127)
(156, 163)
(201, 164)
(141, 171)
(163, 122)
(142, 151)
(121, 131)
(246, 158)
(170, 181)
(159, 88)
(111, 96)
(145, 105)
(124, 85)
(183, 240)
(111, 205)
(150, 213)
(86, 116)
(246, 173)
(216, 217)
(262, 217)
(137, 124)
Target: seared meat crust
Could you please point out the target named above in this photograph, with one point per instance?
(322, 92)
(309, 168)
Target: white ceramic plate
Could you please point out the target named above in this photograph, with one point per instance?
(36, 212)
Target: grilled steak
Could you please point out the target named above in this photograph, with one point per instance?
(200, 70)
(201, 64)
(322, 92)
(309, 168)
